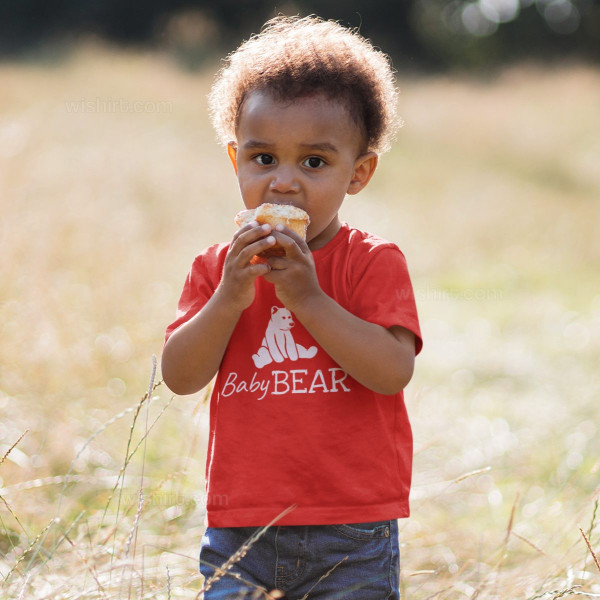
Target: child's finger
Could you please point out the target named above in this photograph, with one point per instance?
(254, 248)
(258, 269)
(295, 247)
(248, 234)
(277, 263)
(298, 239)
(243, 229)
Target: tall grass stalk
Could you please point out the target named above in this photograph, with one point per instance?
(134, 529)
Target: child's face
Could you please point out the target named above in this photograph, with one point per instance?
(305, 152)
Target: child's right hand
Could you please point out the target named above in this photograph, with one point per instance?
(236, 288)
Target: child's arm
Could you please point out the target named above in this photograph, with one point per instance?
(193, 352)
(378, 358)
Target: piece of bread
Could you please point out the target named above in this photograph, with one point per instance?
(274, 214)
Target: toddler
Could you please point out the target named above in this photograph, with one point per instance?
(314, 436)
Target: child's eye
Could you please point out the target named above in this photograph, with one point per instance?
(264, 159)
(313, 162)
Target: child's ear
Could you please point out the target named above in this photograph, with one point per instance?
(232, 153)
(364, 167)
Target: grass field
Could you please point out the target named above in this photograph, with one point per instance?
(111, 182)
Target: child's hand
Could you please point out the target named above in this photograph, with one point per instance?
(237, 284)
(293, 275)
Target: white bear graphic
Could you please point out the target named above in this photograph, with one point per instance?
(278, 343)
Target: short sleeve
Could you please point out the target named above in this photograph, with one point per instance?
(200, 284)
(382, 292)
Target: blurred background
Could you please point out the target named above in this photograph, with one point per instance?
(111, 181)
(432, 34)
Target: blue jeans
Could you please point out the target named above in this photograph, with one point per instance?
(296, 559)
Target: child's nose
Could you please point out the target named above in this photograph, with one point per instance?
(284, 181)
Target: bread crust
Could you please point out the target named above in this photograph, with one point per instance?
(273, 214)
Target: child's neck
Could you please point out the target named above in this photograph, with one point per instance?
(325, 236)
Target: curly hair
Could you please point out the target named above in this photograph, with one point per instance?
(295, 57)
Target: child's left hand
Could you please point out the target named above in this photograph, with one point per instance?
(378, 358)
(293, 275)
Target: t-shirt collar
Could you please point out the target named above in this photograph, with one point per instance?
(333, 243)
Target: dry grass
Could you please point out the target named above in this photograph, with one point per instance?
(492, 191)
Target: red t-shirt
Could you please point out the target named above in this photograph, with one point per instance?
(287, 424)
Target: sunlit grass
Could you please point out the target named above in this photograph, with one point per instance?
(493, 193)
